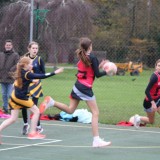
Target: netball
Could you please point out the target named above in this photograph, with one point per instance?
(110, 68)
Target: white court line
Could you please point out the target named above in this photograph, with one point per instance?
(111, 147)
(105, 128)
(108, 147)
(24, 146)
(45, 139)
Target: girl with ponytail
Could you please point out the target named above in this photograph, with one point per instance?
(88, 69)
(20, 99)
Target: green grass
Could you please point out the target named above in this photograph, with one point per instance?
(118, 97)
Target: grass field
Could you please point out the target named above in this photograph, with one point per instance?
(118, 97)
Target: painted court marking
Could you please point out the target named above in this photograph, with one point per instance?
(50, 141)
(28, 145)
(105, 128)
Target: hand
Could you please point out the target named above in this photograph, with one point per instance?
(36, 81)
(154, 106)
(59, 70)
(102, 63)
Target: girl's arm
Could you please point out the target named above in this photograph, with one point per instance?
(31, 75)
(42, 66)
(95, 66)
(152, 81)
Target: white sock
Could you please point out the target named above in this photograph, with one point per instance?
(139, 118)
(96, 138)
(25, 124)
(39, 127)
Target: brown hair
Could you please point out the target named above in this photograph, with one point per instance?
(8, 40)
(84, 45)
(157, 62)
(20, 65)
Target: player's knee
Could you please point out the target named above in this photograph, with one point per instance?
(70, 110)
(151, 121)
(14, 120)
(95, 114)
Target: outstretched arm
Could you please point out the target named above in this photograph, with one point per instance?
(31, 75)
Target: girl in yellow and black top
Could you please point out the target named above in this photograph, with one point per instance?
(20, 99)
(35, 89)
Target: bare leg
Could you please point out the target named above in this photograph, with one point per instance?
(35, 118)
(69, 109)
(95, 113)
(149, 118)
(9, 121)
(33, 134)
(97, 141)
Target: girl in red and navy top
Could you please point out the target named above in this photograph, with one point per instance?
(20, 98)
(152, 100)
(88, 69)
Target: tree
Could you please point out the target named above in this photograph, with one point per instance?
(58, 30)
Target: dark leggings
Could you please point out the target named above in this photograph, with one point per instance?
(24, 112)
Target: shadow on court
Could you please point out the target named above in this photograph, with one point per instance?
(72, 141)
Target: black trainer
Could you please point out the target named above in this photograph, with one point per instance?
(25, 129)
(39, 129)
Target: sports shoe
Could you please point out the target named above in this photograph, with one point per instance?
(137, 121)
(5, 111)
(48, 102)
(39, 129)
(100, 143)
(25, 129)
(36, 136)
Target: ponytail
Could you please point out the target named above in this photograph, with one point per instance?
(84, 46)
(81, 54)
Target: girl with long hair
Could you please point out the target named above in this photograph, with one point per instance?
(20, 99)
(88, 69)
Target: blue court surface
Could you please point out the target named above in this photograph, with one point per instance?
(73, 141)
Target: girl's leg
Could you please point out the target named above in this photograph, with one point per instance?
(33, 134)
(68, 109)
(25, 120)
(97, 141)
(35, 101)
(34, 119)
(149, 119)
(24, 115)
(95, 113)
(9, 121)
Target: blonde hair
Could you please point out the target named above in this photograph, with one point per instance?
(84, 45)
(20, 65)
(30, 45)
(157, 62)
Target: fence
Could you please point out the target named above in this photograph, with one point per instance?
(121, 31)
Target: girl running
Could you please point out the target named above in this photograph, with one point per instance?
(88, 69)
(20, 99)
